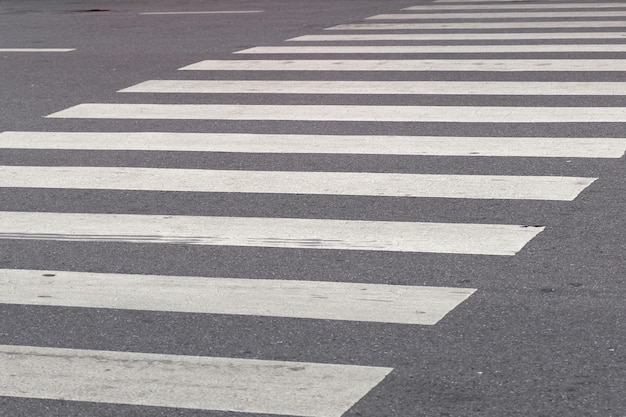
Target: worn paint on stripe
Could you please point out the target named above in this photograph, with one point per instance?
(413, 65)
(499, 15)
(444, 114)
(318, 144)
(435, 49)
(546, 36)
(473, 2)
(192, 382)
(205, 12)
(37, 49)
(482, 25)
(258, 297)
(282, 182)
(520, 5)
(477, 239)
(526, 88)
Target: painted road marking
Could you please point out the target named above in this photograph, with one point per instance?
(444, 114)
(205, 12)
(319, 144)
(482, 25)
(520, 5)
(195, 382)
(37, 49)
(457, 36)
(526, 88)
(257, 297)
(498, 15)
(435, 49)
(283, 182)
(413, 65)
(459, 238)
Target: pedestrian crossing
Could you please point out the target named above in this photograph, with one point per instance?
(279, 387)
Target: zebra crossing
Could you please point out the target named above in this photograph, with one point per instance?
(287, 387)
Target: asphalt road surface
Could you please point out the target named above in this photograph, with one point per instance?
(315, 208)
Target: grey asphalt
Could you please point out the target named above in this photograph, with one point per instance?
(544, 335)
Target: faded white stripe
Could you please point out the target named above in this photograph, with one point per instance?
(508, 65)
(520, 5)
(205, 12)
(451, 114)
(526, 88)
(458, 36)
(277, 182)
(482, 25)
(432, 49)
(194, 382)
(37, 49)
(257, 297)
(316, 144)
(498, 15)
(477, 239)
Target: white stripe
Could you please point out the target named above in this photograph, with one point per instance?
(194, 382)
(206, 12)
(259, 297)
(326, 183)
(520, 5)
(414, 65)
(432, 49)
(477, 239)
(458, 36)
(481, 25)
(316, 144)
(37, 49)
(497, 15)
(452, 114)
(526, 88)
(473, 2)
